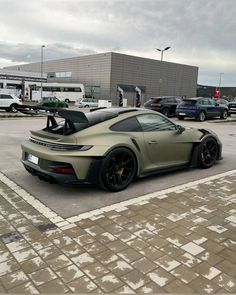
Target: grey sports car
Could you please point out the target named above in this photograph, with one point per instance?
(110, 147)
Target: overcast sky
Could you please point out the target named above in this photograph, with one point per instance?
(200, 32)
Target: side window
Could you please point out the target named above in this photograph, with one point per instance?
(206, 102)
(171, 100)
(154, 122)
(127, 125)
(178, 100)
(6, 96)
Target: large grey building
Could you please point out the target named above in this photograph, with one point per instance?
(103, 73)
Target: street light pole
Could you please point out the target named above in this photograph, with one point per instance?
(42, 46)
(220, 79)
(162, 50)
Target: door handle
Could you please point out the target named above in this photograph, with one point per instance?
(153, 142)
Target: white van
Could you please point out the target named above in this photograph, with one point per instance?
(9, 101)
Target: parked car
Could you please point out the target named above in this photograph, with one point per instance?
(232, 107)
(87, 103)
(201, 108)
(110, 147)
(8, 102)
(164, 104)
(222, 101)
(52, 102)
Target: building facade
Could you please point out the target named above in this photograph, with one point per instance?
(103, 73)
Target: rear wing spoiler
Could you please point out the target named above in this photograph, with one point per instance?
(69, 115)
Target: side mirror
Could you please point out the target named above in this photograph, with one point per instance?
(180, 129)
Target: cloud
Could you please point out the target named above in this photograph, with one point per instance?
(200, 33)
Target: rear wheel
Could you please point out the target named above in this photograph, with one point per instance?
(224, 114)
(208, 153)
(118, 169)
(202, 116)
(181, 117)
(13, 108)
(67, 100)
(166, 112)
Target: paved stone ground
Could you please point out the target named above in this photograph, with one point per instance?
(181, 240)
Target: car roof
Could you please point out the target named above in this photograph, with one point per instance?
(196, 98)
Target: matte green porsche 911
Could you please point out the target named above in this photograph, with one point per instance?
(110, 147)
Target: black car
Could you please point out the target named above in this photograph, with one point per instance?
(163, 104)
(232, 107)
(201, 108)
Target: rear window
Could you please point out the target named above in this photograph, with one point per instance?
(95, 118)
(156, 99)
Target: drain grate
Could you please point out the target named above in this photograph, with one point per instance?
(11, 237)
(46, 227)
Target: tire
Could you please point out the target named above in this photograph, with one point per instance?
(208, 153)
(67, 100)
(118, 170)
(86, 106)
(224, 114)
(13, 109)
(181, 117)
(166, 112)
(202, 116)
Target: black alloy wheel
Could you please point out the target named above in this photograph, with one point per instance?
(118, 169)
(208, 153)
(166, 112)
(13, 108)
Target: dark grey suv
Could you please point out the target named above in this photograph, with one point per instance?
(163, 104)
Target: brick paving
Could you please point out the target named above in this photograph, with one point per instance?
(181, 240)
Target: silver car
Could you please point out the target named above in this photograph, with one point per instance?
(87, 103)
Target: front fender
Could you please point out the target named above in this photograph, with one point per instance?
(197, 145)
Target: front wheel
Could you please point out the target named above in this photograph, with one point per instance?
(67, 100)
(224, 114)
(118, 169)
(208, 153)
(181, 117)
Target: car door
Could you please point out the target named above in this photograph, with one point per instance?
(164, 145)
(215, 109)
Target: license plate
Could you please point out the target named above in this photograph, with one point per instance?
(182, 114)
(32, 159)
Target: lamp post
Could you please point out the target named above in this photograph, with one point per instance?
(220, 79)
(162, 50)
(42, 46)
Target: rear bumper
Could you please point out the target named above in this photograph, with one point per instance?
(187, 113)
(50, 176)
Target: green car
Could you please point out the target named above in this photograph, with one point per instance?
(52, 102)
(112, 146)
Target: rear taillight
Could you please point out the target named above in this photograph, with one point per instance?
(156, 104)
(63, 170)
